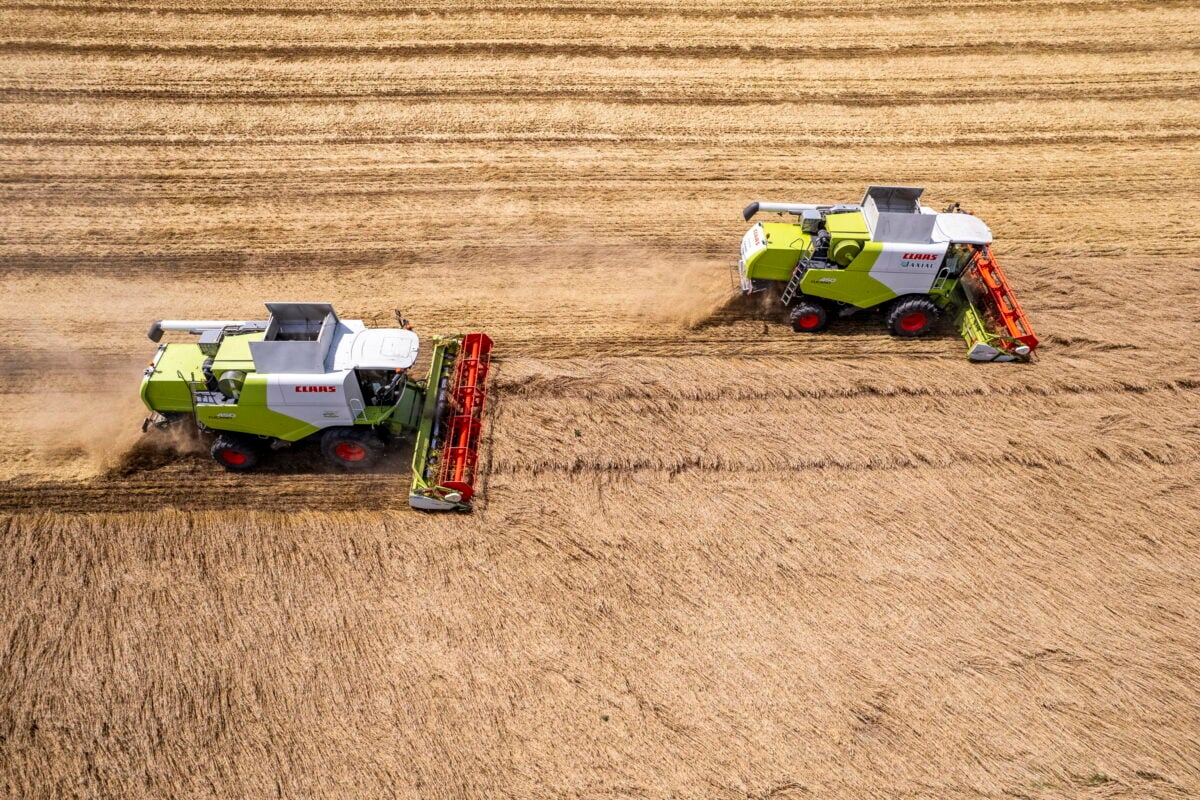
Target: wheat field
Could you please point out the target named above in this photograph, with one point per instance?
(712, 559)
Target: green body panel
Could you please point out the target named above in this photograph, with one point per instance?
(852, 285)
(848, 236)
(402, 417)
(163, 390)
(785, 244)
(944, 295)
(846, 286)
(234, 353)
(251, 415)
(424, 465)
(847, 225)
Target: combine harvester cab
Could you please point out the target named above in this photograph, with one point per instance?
(304, 374)
(892, 253)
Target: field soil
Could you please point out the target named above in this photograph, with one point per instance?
(712, 558)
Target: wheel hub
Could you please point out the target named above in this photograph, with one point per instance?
(348, 451)
(913, 322)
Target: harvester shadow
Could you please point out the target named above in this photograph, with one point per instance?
(767, 310)
(154, 452)
(742, 308)
(305, 458)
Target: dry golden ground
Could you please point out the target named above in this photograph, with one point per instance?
(714, 559)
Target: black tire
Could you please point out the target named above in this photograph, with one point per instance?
(912, 316)
(235, 453)
(808, 316)
(352, 448)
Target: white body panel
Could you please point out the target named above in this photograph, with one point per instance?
(390, 348)
(320, 400)
(985, 352)
(909, 268)
(961, 229)
(752, 242)
(332, 396)
(423, 503)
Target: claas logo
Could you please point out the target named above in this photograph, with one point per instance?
(316, 388)
(921, 256)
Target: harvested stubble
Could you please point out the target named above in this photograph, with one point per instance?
(713, 559)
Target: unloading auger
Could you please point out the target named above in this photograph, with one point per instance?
(888, 252)
(304, 374)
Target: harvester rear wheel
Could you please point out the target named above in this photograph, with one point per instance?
(912, 316)
(351, 448)
(808, 316)
(235, 453)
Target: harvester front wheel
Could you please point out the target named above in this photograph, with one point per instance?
(912, 316)
(234, 453)
(808, 317)
(351, 448)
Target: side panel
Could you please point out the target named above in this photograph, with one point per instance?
(162, 388)
(321, 400)
(251, 414)
(407, 414)
(771, 250)
(854, 288)
(234, 354)
(908, 268)
(849, 225)
(853, 285)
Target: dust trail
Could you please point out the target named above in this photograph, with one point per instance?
(87, 433)
(156, 448)
(688, 293)
(88, 419)
(614, 283)
(653, 284)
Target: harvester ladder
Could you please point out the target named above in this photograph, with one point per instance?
(940, 281)
(793, 286)
(187, 383)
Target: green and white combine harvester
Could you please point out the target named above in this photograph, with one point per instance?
(888, 252)
(304, 374)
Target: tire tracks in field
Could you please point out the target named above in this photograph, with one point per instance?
(192, 486)
(975, 140)
(344, 52)
(185, 488)
(297, 482)
(736, 11)
(1117, 92)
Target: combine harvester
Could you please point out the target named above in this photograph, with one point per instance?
(305, 374)
(888, 252)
